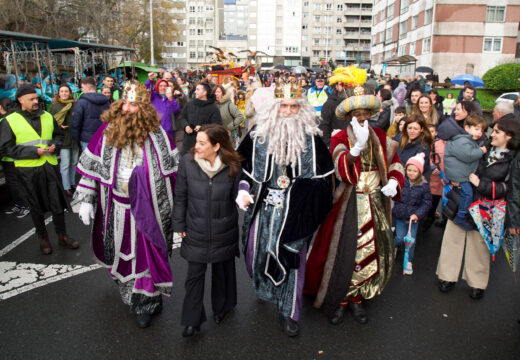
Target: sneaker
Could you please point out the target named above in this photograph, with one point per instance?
(22, 212)
(12, 210)
(408, 270)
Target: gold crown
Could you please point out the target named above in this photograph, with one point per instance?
(135, 92)
(291, 89)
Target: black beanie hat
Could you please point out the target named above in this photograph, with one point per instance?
(25, 89)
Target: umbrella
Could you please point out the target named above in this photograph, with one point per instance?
(317, 69)
(472, 79)
(282, 67)
(409, 240)
(299, 70)
(510, 247)
(424, 69)
(489, 216)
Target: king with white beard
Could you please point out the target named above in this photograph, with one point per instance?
(286, 192)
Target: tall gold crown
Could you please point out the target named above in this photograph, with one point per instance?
(135, 92)
(291, 89)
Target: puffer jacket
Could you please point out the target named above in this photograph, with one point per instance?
(205, 209)
(461, 157)
(330, 121)
(86, 115)
(197, 112)
(231, 115)
(415, 199)
(412, 149)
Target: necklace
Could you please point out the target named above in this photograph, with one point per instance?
(283, 180)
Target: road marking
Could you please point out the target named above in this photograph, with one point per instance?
(22, 238)
(16, 279)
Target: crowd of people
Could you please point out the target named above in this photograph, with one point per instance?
(335, 174)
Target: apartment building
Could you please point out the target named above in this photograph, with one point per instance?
(452, 37)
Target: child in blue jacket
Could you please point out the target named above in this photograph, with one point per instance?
(416, 200)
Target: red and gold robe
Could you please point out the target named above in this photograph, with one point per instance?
(352, 253)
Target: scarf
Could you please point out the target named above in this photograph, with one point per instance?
(209, 170)
(496, 155)
(60, 115)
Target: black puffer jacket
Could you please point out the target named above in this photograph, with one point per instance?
(205, 209)
(329, 120)
(86, 115)
(197, 112)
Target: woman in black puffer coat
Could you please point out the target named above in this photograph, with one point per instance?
(206, 217)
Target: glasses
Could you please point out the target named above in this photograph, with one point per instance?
(291, 106)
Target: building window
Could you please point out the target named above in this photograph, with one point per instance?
(492, 44)
(328, 18)
(339, 41)
(340, 7)
(339, 19)
(404, 6)
(316, 41)
(428, 14)
(192, 43)
(317, 18)
(402, 29)
(192, 21)
(193, 55)
(328, 7)
(316, 30)
(496, 14)
(315, 53)
(412, 48)
(200, 31)
(191, 9)
(209, 8)
(305, 27)
(426, 44)
(338, 31)
(201, 54)
(390, 12)
(305, 3)
(192, 31)
(328, 42)
(401, 50)
(328, 30)
(200, 8)
(317, 7)
(291, 49)
(415, 21)
(388, 36)
(326, 53)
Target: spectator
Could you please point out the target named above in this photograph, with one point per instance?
(105, 90)
(415, 202)
(231, 116)
(400, 93)
(318, 94)
(501, 109)
(424, 107)
(61, 109)
(437, 101)
(415, 94)
(384, 117)
(436, 184)
(197, 112)
(416, 138)
(449, 104)
(468, 94)
(108, 81)
(330, 121)
(86, 116)
(162, 99)
(397, 126)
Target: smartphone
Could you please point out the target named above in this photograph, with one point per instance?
(168, 90)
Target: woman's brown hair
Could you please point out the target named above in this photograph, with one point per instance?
(432, 116)
(218, 134)
(57, 98)
(426, 137)
(221, 89)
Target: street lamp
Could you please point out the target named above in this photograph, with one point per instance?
(152, 60)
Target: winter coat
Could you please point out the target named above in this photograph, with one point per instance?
(415, 199)
(198, 112)
(400, 93)
(68, 143)
(384, 117)
(436, 184)
(329, 120)
(513, 195)
(205, 209)
(412, 149)
(166, 109)
(86, 115)
(231, 116)
(449, 128)
(461, 157)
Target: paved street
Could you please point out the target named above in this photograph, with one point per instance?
(64, 307)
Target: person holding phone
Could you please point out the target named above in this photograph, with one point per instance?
(162, 99)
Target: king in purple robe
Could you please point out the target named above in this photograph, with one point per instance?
(128, 174)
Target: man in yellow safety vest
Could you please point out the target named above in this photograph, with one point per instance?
(32, 138)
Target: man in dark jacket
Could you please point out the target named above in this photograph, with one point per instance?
(329, 120)
(197, 112)
(86, 117)
(32, 138)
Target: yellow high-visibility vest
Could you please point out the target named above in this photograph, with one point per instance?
(27, 136)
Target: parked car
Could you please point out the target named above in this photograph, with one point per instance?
(509, 97)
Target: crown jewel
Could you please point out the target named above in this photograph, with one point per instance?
(291, 89)
(134, 92)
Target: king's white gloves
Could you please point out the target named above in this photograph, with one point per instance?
(361, 133)
(244, 199)
(86, 212)
(390, 189)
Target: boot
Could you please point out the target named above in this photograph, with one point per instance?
(45, 244)
(338, 315)
(359, 312)
(65, 240)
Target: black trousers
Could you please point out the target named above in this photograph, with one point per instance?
(13, 183)
(39, 223)
(223, 291)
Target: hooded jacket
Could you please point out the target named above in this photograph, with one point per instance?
(198, 112)
(86, 115)
(461, 157)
